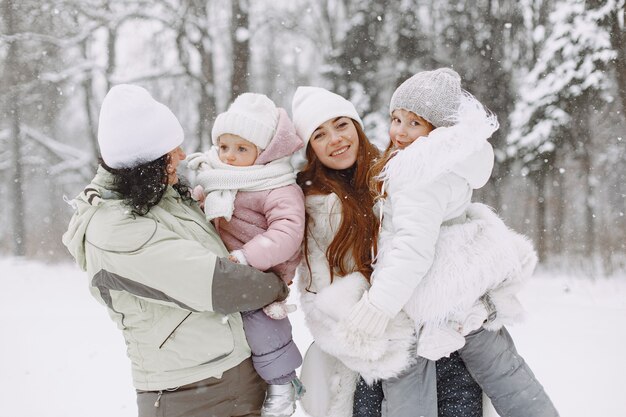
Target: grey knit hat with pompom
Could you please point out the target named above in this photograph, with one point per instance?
(433, 95)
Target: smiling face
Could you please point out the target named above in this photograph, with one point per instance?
(236, 151)
(336, 143)
(406, 127)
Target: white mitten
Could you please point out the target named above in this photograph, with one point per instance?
(198, 193)
(361, 334)
(279, 310)
(239, 255)
(366, 318)
(196, 159)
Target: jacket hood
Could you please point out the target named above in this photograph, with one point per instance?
(284, 142)
(86, 204)
(462, 149)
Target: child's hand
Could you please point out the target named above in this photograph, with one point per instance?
(196, 160)
(279, 310)
(233, 259)
(198, 194)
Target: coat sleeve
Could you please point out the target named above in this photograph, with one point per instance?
(416, 217)
(284, 211)
(160, 266)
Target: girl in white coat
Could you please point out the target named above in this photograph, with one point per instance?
(434, 261)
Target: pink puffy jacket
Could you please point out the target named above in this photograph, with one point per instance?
(268, 226)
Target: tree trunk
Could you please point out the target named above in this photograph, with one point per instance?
(559, 218)
(584, 152)
(540, 179)
(207, 110)
(112, 56)
(241, 48)
(618, 41)
(88, 103)
(17, 220)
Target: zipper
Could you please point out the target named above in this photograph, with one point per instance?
(157, 403)
(171, 333)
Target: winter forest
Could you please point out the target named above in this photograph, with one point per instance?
(554, 71)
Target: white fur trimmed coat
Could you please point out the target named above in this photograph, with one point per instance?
(325, 305)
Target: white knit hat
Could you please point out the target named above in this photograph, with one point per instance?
(134, 128)
(313, 106)
(433, 95)
(252, 116)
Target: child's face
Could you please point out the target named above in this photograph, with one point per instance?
(235, 150)
(406, 127)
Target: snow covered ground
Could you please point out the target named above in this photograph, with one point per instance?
(61, 356)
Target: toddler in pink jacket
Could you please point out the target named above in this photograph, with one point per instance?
(250, 195)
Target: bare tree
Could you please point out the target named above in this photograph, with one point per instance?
(12, 79)
(240, 41)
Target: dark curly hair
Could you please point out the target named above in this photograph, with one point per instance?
(143, 186)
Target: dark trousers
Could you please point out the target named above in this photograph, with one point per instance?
(367, 399)
(239, 392)
(458, 395)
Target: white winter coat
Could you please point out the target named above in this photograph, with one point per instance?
(428, 183)
(437, 271)
(326, 305)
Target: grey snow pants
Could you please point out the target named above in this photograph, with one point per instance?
(412, 394)
(504, 376)
(425, 390)
(274, 354)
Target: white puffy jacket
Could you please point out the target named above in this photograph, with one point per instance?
(429, 185)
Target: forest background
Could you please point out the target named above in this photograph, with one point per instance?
(554, 71)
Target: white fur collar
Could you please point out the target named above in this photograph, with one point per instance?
(448, 148)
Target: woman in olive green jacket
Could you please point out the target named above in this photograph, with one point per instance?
(162, 270)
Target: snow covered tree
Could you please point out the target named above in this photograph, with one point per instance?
(353, 30)
(32, 73)
(558, 96)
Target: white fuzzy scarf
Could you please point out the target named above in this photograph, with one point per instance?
(222, 181)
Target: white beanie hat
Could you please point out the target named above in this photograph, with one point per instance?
(252, 116)
(433, 95)
(313, 106)
(134, 128)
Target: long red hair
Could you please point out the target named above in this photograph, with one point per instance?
(358, 231)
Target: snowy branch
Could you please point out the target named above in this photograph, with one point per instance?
(571, 64)
(60, 42)
(72, 159)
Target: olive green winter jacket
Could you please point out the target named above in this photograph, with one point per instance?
(167, 284)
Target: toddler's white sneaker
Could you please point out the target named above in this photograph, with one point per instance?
(280, 400)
